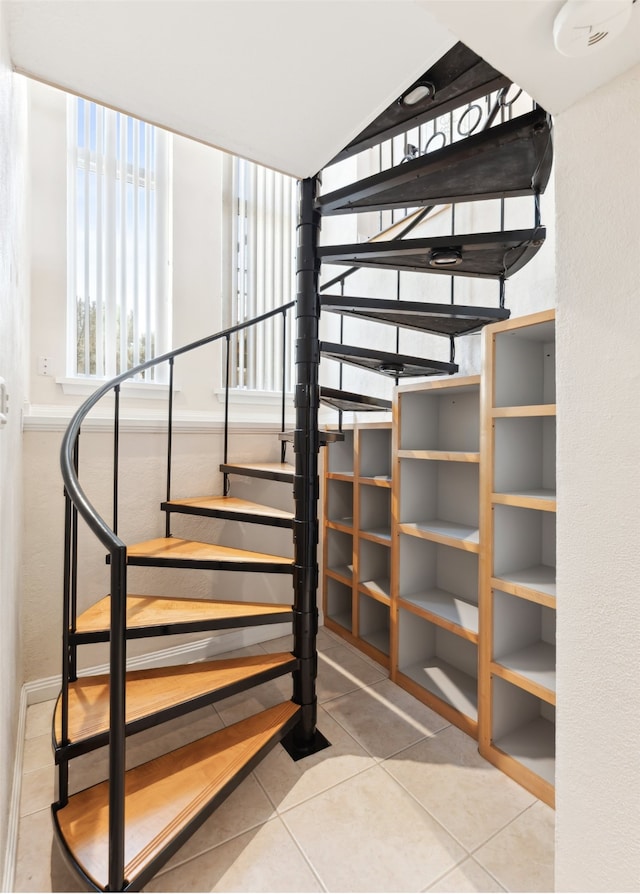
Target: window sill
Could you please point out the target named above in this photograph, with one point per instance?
(84, 386)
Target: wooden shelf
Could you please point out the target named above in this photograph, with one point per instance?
(536, 498)
(379, 639)
(341, 524)
(533, 668)
(537, 583)
(343, 619)
(515, 412)
(455, 456)
(453, 686)
(442, 531)
(377, 589)
(532, 745)
(379, 535)
(375, 480)
(443, 608)
(341, 476)
(343, 573)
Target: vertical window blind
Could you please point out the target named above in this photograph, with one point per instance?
(263, 234)
(118, 216)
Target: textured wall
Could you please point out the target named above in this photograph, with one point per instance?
(598, 278)
(13, 284)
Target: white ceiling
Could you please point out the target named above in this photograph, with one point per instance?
(289, 82)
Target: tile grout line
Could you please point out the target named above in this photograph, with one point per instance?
(303, 854)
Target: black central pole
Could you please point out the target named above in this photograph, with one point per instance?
(305, 738)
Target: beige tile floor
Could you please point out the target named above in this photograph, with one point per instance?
(400, 802)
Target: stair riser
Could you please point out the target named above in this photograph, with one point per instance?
(102, 636)
(90, 744)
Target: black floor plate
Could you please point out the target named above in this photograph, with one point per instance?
(438, 319)
(295, 753)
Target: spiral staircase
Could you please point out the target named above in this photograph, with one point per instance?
(118, 833)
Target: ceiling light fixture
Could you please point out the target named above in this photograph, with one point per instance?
(446, 258)
(582, 26)
(417, 93)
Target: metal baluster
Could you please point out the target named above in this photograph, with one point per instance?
(169, 446)
(73, 654)
(283, 445)
(116, 448)
(117, 708)
(63, 767)
(225, 489)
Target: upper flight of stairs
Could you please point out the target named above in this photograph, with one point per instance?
(168, 798)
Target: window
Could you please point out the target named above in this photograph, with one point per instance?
(118, 201)
(263, 275)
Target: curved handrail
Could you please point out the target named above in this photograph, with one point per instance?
(72, 485)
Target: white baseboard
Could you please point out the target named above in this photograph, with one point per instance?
(9, 868)
(47, 688)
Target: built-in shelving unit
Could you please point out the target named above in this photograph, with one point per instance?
(436, 545)
(518, 530)
(357, 538)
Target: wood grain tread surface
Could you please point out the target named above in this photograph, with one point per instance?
(166, 550)
(165, 796)
(155, 690)
(163, 611)
(231, 505)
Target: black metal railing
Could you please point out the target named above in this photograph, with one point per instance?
(77, 504)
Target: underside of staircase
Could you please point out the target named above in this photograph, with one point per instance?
(118, 833)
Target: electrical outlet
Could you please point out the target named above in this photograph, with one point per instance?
(45, 365)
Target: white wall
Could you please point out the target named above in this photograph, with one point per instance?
(598, 376)
(197, 282)
(13, 302)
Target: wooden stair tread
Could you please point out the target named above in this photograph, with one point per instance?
(273, 471)
(166, 611)
(175, 552)
(167, 795)
(229, 507)
(152, 691)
